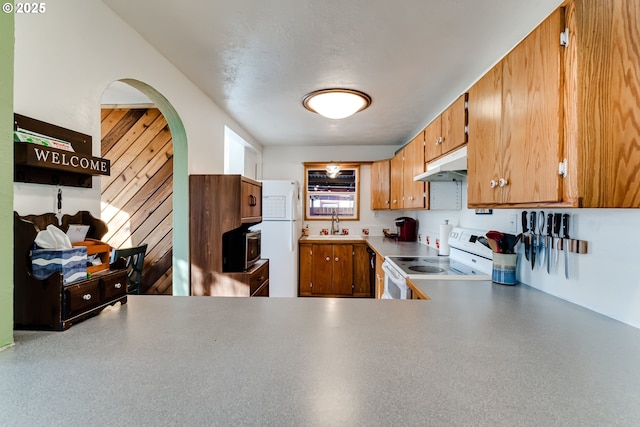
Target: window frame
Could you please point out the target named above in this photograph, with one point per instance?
(356, 193)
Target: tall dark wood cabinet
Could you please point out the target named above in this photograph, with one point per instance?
(219, 204)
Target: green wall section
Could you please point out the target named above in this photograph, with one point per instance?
(6, 178)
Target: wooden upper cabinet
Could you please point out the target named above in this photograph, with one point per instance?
(396, 174)
(381, 185)
(454, 123)
(484, 151)
(515, 124)
(602, 103)
(413, 192)
(532, 118)
(251, 200)
(432, 135)
(447, 131)
(569, 130)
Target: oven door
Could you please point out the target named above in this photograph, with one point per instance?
(395, 285)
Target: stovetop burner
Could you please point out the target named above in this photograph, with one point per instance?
(436, 267)
(426, 269)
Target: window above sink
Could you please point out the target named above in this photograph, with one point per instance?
(326, 192)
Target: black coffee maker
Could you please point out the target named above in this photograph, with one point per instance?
(407, 230)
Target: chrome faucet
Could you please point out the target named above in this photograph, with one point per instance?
(335, 222)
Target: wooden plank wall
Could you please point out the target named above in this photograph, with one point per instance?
(137, 198)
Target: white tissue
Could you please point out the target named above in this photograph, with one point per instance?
(52, 238)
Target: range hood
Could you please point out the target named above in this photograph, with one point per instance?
(452, 167)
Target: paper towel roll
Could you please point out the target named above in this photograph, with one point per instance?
(445, 229)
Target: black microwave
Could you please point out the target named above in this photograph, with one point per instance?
(240, 249)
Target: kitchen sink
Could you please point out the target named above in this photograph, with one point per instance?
(335, 237)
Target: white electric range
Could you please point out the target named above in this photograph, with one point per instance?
(469, 260)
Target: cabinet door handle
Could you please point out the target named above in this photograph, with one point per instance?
(260, 279)
(118, 285)
(86, 297)
(493, 183)
(252, 200)
(327, 259)
(503, 182)
(337, 259)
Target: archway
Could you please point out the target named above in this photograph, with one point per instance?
(179, 203)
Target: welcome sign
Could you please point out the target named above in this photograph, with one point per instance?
(52, 158)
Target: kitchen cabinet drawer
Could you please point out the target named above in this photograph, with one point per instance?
(263, 290)
(114, 286)
(258, 277)
(244, 283)
(81, 297)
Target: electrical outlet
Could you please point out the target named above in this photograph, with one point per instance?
(513, 224)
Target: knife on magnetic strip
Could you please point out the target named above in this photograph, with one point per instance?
(525, 237)
(565, 243)
(549, 240)
(532, 238)
(557, 218)
(542, 242)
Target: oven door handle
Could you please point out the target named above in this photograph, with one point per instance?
(388, 269)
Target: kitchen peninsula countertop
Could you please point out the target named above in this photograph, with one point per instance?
(476, 354)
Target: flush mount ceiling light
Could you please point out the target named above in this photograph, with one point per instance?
(333, 170)
(336, 103)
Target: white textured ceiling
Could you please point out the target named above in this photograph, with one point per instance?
(257, 58)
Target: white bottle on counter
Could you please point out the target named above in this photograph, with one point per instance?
(445, 230)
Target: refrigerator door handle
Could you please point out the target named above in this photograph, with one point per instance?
(292, 236)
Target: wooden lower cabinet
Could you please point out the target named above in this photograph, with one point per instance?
(332, 272)
(251, 283)
(334, 269)
(361, 271)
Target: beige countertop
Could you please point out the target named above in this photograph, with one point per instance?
(476, 354)
(384, 246)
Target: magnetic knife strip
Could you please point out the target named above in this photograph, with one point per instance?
(544, 236)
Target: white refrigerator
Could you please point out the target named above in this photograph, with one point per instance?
(281, 228)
